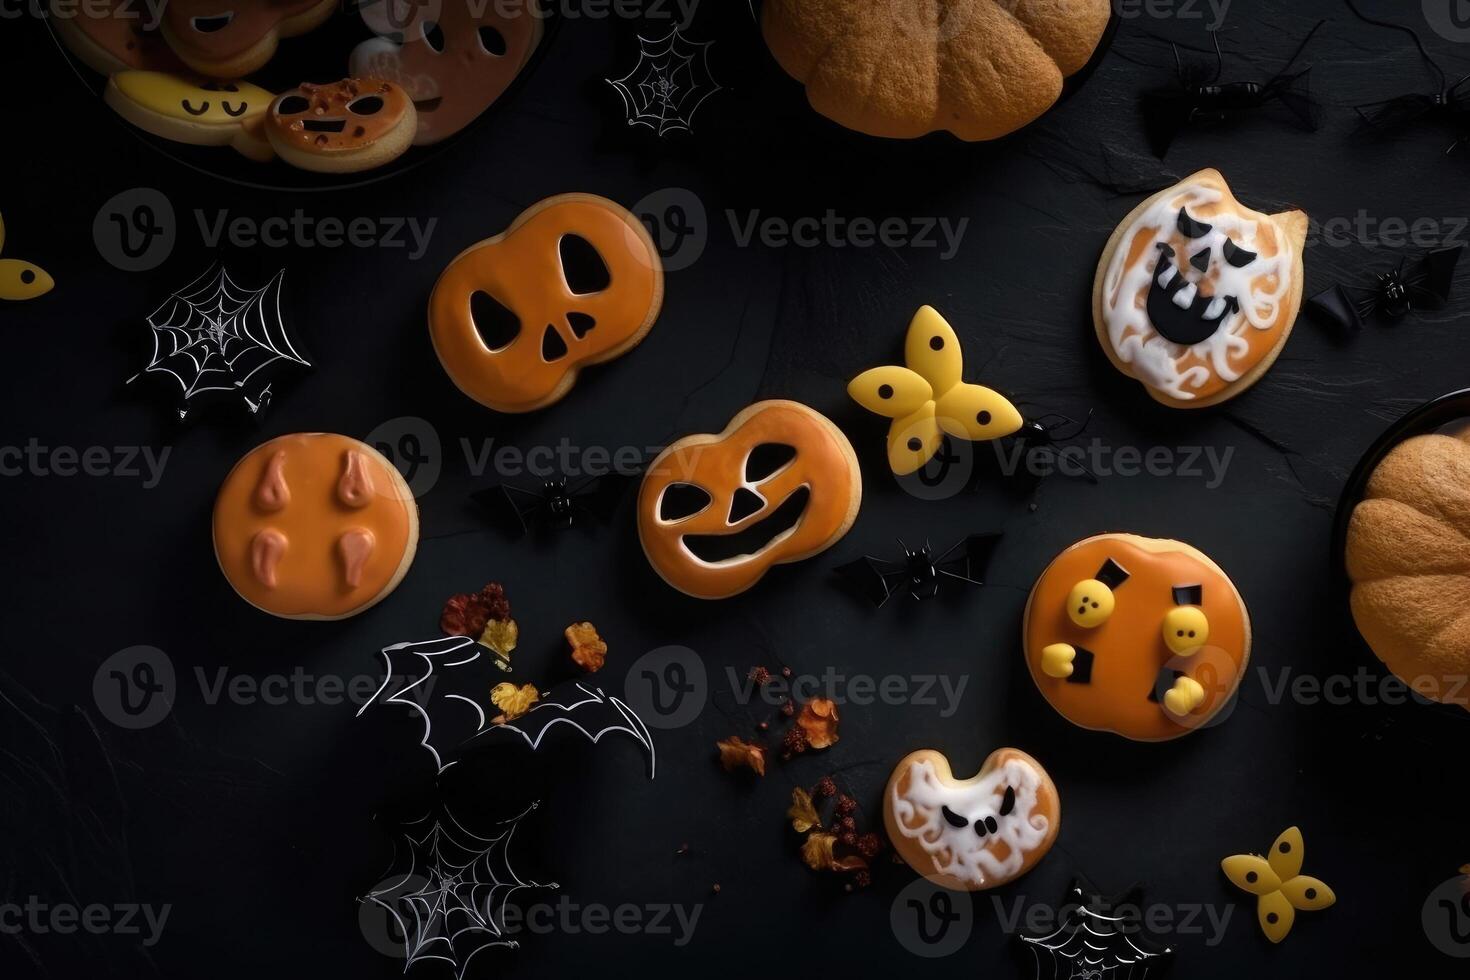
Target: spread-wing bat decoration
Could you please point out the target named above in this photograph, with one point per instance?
(1197, 98)
(919, 572)
(557, 505)
(1424, 285)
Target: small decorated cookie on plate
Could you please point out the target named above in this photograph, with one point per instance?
(110, 36)
(1196, 294)
(314, 526)
(976, 833)
(345, 127)
(1144, 637)
(716, 512)
(575, 280)
(193, 110)
(232, 38)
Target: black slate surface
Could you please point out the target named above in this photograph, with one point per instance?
(255, 822)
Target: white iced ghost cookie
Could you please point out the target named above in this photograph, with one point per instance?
(1196, 294)
(976, 833)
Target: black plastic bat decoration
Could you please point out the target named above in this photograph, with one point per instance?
(1447, 104)
(920, 573)
(1425, 285)
(556, 505)
(1198, 99)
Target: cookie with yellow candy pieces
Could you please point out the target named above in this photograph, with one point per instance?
(926, 398)
(200, 111)
(19, 279)
(1280, 888)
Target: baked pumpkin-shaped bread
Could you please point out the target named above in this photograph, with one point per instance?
(903, 68)
(1408, 555)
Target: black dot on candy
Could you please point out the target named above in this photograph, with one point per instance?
(1251, 876)
(885, 391)
(27, 276)
(1096, 605)
(1191, 634)
(1285, 847)
(1271, 917)
(1081, 610)
(915, 445)
(936, 343)
(1312, 893)
(983, 418)
(1181, 633)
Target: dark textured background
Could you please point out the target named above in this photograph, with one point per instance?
(256, 822)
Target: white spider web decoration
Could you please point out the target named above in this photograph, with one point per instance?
(1090, 944)
(448, 902)
(217, 336)
(668, 85)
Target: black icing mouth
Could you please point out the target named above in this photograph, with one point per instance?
(429, 105)
(1192, 323)
(715, 548)
(203, 108)
(324, 125)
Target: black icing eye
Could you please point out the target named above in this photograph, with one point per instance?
(189, 108)
(233, 112)
(766, 460)
(292, 105)
(1008, 802)
(582, 265)
(991, 825)
(434, 36)
(954, 819)
(366, 105)
(213, 24)
(1190, 228)
(496, 324)
(682, 500)
(1237, 256)
(493, 41)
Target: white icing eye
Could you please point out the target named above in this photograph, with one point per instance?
(1237, 256)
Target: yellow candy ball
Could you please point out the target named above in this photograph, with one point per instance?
(1186, 629)
(1090, 603)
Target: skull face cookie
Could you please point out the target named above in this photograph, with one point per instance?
(976, 833)
(1144, 637)
(314, 526)
(1196, 294)
(716, 512)
(575, 280)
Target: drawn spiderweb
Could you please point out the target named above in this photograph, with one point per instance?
(214, 336)
(668, 85)
(447, 889)
(1098, 937)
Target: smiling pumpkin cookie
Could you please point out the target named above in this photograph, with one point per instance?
(345, 127)
(314, 526)
(1196, 294)
(716, 512)
(232, 38)
(200, 111)
(976, 833)
(110, 36)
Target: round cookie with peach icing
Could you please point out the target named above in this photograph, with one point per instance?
(716, 512)
(345, 127)
(1196, 294)
(1144, 637)
(193, 110)
(576, 280)
(971, 834)
(232, 38)
(113, 36)
(454, 61)
(314, 526)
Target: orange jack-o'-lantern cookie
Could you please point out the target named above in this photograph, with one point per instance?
(112, 36)
(455, 60)
(347, 126)
(314, 526)
(232, 38)
(575, 280)
(1145, 637)
(976, 833)
(715, 512)
(1196, 294)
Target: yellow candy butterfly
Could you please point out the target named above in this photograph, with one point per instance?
(21, 280)
(1278, 883)
(927, 399)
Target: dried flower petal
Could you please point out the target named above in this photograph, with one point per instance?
(736, 752)
(818, 719)
(803, 814)
(588, 649)
(818, 854)
(500, 635)
(513, 701)
(466, 614)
